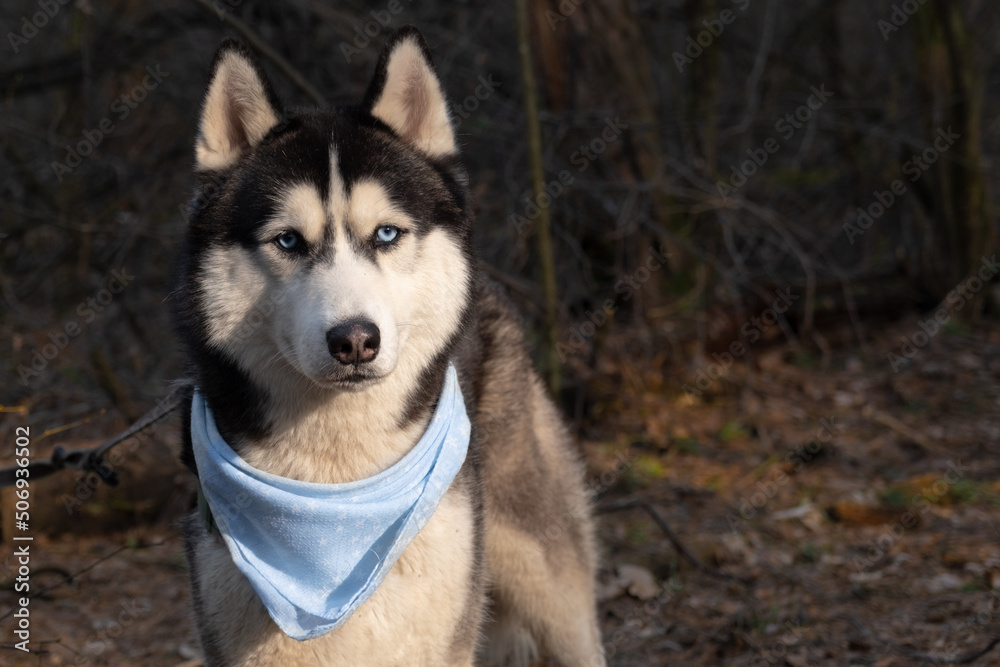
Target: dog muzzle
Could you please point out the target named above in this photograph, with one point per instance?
(315, 552)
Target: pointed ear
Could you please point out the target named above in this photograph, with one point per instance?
(240, 108)
(406, 95)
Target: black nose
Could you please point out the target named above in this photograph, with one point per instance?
(354, 342)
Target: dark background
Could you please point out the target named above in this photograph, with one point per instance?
(684, 392)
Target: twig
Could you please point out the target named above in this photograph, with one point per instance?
(706, 191)
(66, 427)
(262, 46)
(675, 540)
(680, 546)
(10, 584)
(70, 577)
(753, 94)
(617, 505)
(887, 420)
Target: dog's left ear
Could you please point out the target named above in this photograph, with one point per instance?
(406, 95)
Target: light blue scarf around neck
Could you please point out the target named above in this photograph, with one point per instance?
(315, 552)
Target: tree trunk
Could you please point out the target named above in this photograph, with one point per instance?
(960, 230)
(543, 233)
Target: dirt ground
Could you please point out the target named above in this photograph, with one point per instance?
(836, 512)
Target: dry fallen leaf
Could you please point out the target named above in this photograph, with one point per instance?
(946, 581)
(639, 582)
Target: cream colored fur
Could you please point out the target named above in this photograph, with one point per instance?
(533, 578)
(413, 104)
(408, 620)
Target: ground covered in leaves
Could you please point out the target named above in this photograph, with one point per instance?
(834, 511)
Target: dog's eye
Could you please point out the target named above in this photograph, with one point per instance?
(386, 234)
(289, 241)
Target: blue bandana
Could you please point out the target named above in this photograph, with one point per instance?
(315, 552)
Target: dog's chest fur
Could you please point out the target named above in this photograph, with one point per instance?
(409, 620)
(338, 440)
(429, 601)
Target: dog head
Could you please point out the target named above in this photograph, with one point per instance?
(331, 244)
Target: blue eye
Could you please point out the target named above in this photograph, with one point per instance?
(387, 234)
(288, 240)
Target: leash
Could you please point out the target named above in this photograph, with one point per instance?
(92, 460)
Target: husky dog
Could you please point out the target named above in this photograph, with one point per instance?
(326, 286)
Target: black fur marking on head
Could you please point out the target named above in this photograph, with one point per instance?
(418, 184)
(296, 151)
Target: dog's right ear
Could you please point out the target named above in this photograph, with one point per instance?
(240, 108)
